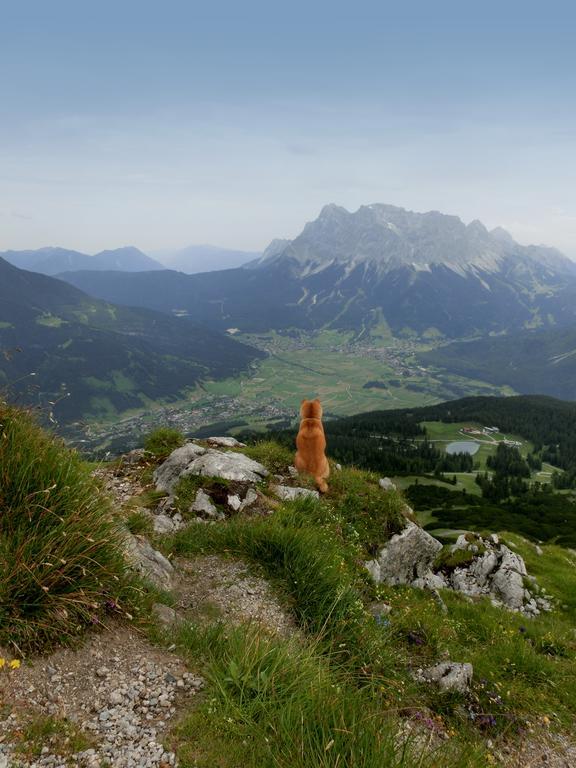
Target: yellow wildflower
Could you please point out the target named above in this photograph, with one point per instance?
(15, 664)
(2, 662)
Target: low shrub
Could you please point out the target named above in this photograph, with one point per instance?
(162, 441)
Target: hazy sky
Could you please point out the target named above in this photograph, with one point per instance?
(172, 122)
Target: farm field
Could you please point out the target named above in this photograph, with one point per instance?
(330, 366)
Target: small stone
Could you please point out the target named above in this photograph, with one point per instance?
(163, 524)
(205, 507)
(234, 502)
(386, 484)
(225, 442)
(448, 676)
(249, 499)
(115, 698)
(287, 493)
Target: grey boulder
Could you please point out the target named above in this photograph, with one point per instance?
(448, 676)
(508, 581)
(147, 561)
(406, 557)
(287, 493)
(225, 442)
(230, 466)
(166, 476)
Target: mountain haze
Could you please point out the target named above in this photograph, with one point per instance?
(205, 258)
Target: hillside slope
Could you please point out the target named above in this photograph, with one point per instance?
(107, 358)
(532, 362)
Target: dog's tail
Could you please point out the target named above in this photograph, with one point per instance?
(321, 484)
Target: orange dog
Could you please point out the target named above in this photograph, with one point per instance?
(311, 444)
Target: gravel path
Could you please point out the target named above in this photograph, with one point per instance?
(223, 589)
(118, 689)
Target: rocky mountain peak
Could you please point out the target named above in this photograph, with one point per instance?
(503, 235)
(387, 237)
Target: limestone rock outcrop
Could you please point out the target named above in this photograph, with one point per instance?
(406, 557)
(166, 476)
(479, 567)
(230, 466)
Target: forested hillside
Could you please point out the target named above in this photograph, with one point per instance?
(537, 361)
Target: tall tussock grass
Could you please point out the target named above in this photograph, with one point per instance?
(61, 566)
(275, 702)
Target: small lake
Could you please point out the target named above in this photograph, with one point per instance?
(463, 446)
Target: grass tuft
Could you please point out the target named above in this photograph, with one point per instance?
(61, 566)
(162, 441)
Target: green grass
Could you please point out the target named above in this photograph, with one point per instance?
(51, 321)
(60, 552)
(140, 523)
(275, 703)
(307, 560)
(61, 736)
(464, 481)
(275, 457)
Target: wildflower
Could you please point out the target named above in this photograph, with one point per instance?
(15, 664)
(2, 663)
(546, 720)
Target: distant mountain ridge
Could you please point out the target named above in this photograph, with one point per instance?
(53, 261)
(108, 358)
(417, 272)
(388, 238)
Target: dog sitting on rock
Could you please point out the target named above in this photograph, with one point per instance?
(311, 444)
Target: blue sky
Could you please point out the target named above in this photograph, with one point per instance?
(165, 123)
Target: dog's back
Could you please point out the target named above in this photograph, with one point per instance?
(311, 444)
